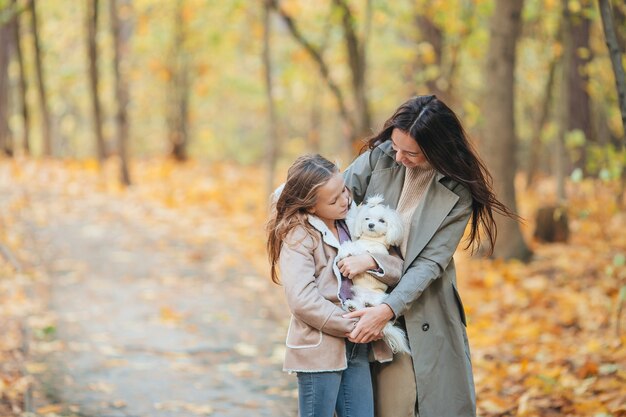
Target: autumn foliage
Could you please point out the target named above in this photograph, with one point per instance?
(548, 338)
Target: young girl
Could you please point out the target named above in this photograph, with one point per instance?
(304, 233)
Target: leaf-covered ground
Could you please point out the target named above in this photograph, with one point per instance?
(545, 336)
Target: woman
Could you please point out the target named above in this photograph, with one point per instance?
(425, 167)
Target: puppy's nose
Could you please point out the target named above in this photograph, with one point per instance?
(371, 225)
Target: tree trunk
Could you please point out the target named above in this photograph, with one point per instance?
(356, 50)
(272, 133)
(23, 87)
(616, 57)
(619, 16)
(178, 89)
(120, 31)
(500, 140)
(6, 137)
(92, 52)
(316, 55)
(542, 119)
(577, 55)
(618, 70)
(41, 85)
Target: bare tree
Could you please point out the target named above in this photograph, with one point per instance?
(542, 119)
(358, 122)
(22, 83)
(356, 49)
(272, 131)
(41, 85)
(618, 70)
(616, 56)
(576, 57)
(178, 88)
(6, 136)
(120, 32)
(92, 53)
(499, 134)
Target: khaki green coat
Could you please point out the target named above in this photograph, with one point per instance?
(427, 294)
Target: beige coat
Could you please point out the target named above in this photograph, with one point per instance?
(427, 294)
(315, 339)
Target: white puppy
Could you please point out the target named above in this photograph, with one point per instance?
(374, 229)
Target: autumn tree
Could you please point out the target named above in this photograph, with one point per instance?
(6, 137)
(120, 31)
(91, 23)
(272, 131)
(576, 58)
(357, 122)
(22, 82)
(499, 145)
(178, 86)
(41, 84)
(618, 70)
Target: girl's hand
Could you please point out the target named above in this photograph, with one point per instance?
(356, 264)
(371, 322)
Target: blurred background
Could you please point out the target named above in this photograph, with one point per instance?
(139, 140)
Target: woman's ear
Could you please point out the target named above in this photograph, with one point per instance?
(395, 230)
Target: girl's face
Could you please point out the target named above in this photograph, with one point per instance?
(408, 152)
(333, 200)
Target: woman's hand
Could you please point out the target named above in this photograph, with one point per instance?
(371, 322)
(356, 264)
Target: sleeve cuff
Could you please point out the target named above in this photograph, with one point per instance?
(395, 304)
(378, 272)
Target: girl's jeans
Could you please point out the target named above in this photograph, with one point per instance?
(349, 392)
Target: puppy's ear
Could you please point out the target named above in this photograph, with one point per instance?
(357, 228)
(375, 200)
(395, 229)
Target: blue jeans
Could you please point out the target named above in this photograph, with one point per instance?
(349, 392)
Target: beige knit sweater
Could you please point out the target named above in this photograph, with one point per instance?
(416, 181)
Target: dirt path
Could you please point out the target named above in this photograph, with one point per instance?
(149, 322)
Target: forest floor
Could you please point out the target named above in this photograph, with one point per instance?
(155, 300)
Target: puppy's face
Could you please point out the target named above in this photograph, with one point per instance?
(374, 221)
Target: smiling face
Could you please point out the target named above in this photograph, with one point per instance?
(408, 152)
(333, 200)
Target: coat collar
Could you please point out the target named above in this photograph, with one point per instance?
(435, 205)
(432, 210)
(327, 236)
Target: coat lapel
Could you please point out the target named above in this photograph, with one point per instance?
(327, 236)
(435, 205)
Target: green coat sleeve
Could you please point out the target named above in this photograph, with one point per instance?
(435, 257)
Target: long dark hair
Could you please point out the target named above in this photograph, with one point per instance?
(442, 139)
(299, 194)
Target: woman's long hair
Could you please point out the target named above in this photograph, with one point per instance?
(442, 139)
(299, 194)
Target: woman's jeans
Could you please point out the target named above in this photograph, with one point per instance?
(349, 392)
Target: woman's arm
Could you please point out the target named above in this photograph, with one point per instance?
(427, 267)
(434, 258)
(297, 268)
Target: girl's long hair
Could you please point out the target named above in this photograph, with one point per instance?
(442, 139)
(299, 194)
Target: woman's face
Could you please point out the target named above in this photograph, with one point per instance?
(408, 152)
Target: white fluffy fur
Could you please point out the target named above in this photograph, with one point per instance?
(374, 228)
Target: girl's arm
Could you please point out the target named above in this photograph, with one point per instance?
(297, 269)
(387, 268)
(357, 177)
